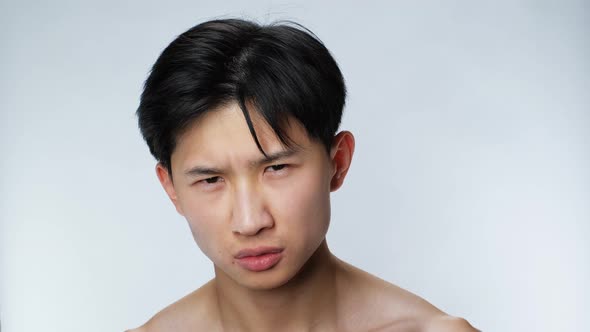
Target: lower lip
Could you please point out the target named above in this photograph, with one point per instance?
(259, 263)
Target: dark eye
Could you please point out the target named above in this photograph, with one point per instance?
(275, 168)
(212, 180)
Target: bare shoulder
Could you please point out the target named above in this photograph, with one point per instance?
(384, 306)
(447, 323)
(194, 311)
(391, 298)
(410, 312)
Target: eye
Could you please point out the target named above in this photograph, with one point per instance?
(210, 182)
(278, 171)
(276, 168)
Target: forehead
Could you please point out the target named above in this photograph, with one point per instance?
(222, 135)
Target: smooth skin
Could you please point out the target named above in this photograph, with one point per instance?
(234, 198)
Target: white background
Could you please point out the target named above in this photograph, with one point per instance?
(470, 184)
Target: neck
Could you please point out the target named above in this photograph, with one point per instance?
(306, 302)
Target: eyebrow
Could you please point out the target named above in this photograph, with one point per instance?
(200, 170)
(269, 158)
(272, 157)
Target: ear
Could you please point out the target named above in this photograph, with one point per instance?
(341, 157)
(168, 185)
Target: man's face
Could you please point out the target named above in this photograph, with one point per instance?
(234, 199)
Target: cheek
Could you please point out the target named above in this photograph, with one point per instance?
(204, 220)
(305, 205)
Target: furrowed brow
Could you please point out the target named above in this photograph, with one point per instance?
(272, 157)
(196, 171)
(200, 171)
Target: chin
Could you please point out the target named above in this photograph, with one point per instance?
(265, 280)
(262, 286)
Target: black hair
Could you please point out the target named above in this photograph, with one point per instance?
(282, 70)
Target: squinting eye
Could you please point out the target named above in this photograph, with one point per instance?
(275, 168)
(212, 180)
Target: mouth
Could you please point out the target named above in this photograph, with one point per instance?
(259, 259)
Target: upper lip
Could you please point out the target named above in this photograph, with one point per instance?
(257, 251)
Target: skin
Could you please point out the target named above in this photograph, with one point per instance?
(233, 198)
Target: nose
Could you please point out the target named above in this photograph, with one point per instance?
(249, 213)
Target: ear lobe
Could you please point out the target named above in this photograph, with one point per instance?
(168, 185)
(341, 156)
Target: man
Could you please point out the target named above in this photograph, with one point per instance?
(242, 119)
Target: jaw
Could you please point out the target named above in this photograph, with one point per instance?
(310, 295)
